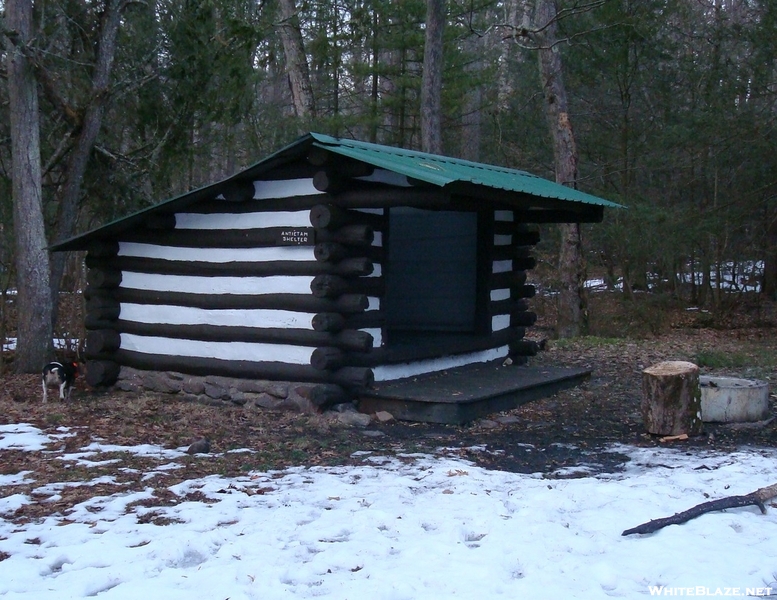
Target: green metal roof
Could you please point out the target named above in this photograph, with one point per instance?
(433, 169)
(442, 170)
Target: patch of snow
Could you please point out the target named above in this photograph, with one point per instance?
(414, 526)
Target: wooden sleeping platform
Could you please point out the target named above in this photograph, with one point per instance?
(463, 394)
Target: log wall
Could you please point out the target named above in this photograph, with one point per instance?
(289, 288)
(509, 292)
(223, 287)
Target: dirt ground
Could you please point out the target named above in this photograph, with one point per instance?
(572, 434)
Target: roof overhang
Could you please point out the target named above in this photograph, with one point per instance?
(535, 199)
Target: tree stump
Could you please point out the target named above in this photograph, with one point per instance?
(671, 398)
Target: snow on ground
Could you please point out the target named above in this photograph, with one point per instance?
(408, 527)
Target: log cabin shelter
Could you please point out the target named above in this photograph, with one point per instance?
(353, 267)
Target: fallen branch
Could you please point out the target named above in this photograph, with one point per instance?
(756, 498)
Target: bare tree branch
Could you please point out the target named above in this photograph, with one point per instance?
(528, 30)
(756, 498)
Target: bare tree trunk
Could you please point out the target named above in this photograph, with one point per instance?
(471, 117)
(34, 331)
(70, 198)
(296, 61)
(572, 307)
(431, 86)
(769, 283)
(515, 13)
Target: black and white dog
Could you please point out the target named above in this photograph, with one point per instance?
(61, 375)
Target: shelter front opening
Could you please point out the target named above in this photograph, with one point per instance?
(432, 275)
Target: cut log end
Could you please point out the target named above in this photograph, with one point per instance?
(672, 368)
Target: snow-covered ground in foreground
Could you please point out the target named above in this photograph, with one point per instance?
(412, 527)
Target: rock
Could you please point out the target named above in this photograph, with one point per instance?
(128, 385)
(215, 391)
(373, 433)
(383, 416)
(265, 400)
(238, 398)
(508, 419)
(299, 400)
(160, 382)
(257, 386)
(353, 419)
(193, 385)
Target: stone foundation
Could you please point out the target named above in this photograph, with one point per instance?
(211, 389)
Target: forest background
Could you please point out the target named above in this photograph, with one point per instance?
(672, 102)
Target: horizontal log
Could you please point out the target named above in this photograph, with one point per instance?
(507, 279)
(263, 205)
(329, 286)
(94, 322)
(524, 291)
(370, 319)
(512, 252)
(381, 196)
(101, 341)
(159, 221)
(331, 252)
(348, 267)
(239, 190)
(99, 294)
(101, 308)
(320, 157)
(328, 321)
(333, 286)
(103, 312)
(522, 236)
(353, 377)
(210, 238)
(507, 307)
(348, 167)
(327, 358)
(242, 369)
(348, 377)
(523, 319)
(525, 348)
(330, 181)
(328, 394)
(103, 247)
(346, 304)
(96, 301)
(103, 278)
(524, 264)
(358, 266)
(349, 339)
(436, 347)
(333, 322)
(355, 235)
(101, 372)
(329, 216)
(353, 339)
(334, 252)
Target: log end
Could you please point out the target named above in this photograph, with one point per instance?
(671, 368)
